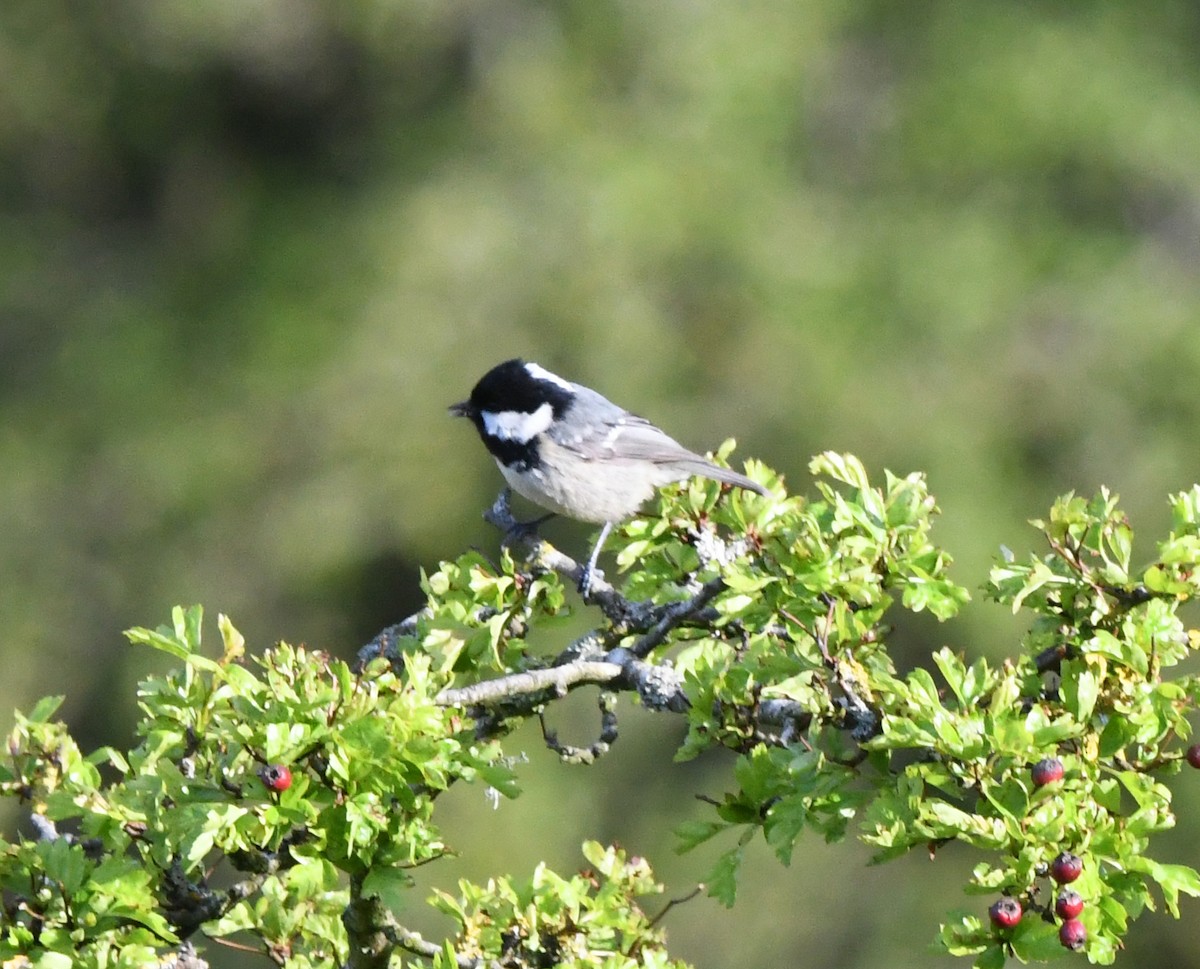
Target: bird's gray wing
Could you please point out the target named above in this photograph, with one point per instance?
(612, 434)
(598, 430)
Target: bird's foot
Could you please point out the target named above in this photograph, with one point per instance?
(525, 532)
(590, 574)
(590, 571)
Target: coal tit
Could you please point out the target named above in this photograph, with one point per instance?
(570, 450)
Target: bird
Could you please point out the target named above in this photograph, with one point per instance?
(575, 453)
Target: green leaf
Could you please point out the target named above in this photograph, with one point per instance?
(201, 846)
(234, 642)
(1172, 879)
(993, 957)
(392, 885)
(1036, 941)
(1038, 576)
(722, 879)
(64, 863)
(501, 778)
(1124, 651)
(52, 960)
(160, 640)
(187, 626)
(964, 934)
(841, 467)
(954, 672)
(689, 834)
(44, 709)
(1080, 689)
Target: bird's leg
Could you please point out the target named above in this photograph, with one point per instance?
(500, 515)
(585, 581)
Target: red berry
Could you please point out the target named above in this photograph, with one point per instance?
(1066, 868)
(1193, 755)
(1072, 934)
(1047, 771)
(276, 777)
(1005, 912)
(1069, 904)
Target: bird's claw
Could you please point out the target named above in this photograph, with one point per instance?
(524, 532)
(590, 572)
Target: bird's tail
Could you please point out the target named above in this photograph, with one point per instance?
(726, 476)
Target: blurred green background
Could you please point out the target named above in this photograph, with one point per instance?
(251, 250)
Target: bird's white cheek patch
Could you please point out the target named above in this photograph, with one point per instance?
(515, 425)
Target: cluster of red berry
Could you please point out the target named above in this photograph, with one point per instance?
(1006, 912)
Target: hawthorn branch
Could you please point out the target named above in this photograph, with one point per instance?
(387, 643)
(782, 722)
(374, 935)
(675, 614)
(659, 686)
(414, 943)
(545, 684)
(370, 929)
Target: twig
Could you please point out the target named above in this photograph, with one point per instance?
(676, 613)
(683, 899)
(594, 751)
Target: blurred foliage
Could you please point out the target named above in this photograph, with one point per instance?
(251, 251)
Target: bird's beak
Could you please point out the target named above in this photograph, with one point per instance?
(462, 409)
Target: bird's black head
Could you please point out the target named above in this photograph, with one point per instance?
(513, 403)
(516, 386)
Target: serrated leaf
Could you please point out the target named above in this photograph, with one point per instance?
(392, 885)
(992, 957)
(953, 671)
(158, 640)
(841, 467)
(501, 778)
(1036, 940)
(1172, 879)
(689, 834)
(44, 709)
(722, 879)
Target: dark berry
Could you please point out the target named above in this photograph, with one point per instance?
(1005, 912)
(1047, 771)
(1193, 755)
(276, 777)
(1066, 868)
(1069, 904)
(1072, 934)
